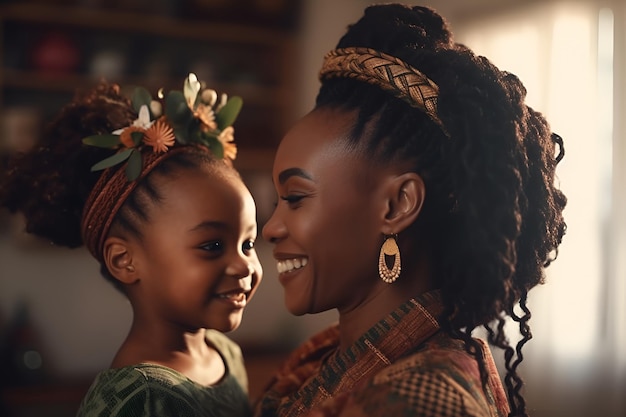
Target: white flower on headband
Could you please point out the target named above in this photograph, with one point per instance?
(190, 89)
(140, 125)
(143, 120)
(200, 105)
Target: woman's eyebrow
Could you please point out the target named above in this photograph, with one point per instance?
(293, 172)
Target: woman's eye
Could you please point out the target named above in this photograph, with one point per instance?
(292, 198)
(213, 246)
(248, 245)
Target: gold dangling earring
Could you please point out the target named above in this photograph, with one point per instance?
(389, 248)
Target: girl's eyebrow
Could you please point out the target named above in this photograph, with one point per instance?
(293, 172)
(209, 224)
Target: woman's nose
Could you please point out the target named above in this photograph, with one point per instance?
(274, 229)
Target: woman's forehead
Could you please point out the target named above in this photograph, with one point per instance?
(321, 133)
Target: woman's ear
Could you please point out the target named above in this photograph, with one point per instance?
(405, 198)
(119, 260)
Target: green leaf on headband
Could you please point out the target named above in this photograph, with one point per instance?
(176, 109)
(137, 137)
(133, 168)
(112, 160)
(141, 97)
(216, 147)
(189, 132)
(103, 141)
(227, 114)
(181, 134)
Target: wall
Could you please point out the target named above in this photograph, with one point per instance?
(81, 320)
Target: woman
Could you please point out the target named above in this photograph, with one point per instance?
(418, 200)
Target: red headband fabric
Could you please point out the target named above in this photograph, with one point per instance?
(107, 197)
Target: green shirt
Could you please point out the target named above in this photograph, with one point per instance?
(155, 390)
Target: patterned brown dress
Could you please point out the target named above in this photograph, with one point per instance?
(403, 366)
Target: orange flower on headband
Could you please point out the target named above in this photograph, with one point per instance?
(227, 138)
(206, 115)
(160, 136)
(126, 135)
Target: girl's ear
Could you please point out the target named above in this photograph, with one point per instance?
(119, 260)
(405, 197)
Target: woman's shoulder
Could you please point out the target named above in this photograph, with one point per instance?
(440, 376)
(440, 354)
(440, 360)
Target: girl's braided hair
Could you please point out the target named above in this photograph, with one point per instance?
(50, 184)
(493, 215)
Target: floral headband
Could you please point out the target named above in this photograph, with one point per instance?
(192, 118)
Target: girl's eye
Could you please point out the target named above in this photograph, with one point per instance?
(213, 246)
(248, 245)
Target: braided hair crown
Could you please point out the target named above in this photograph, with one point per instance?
(493, 217)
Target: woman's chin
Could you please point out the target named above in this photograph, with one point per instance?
(296, 307)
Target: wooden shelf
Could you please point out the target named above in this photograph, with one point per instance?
(255, 94)
(170, 27)
(251, 61)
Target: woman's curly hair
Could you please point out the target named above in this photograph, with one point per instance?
(493, 215)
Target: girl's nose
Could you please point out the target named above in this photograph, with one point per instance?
(240, 268)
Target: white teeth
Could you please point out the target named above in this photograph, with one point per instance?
(290, 264)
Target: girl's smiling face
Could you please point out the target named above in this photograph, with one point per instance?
(326, 226)
(195, 261)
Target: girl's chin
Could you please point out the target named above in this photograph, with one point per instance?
(231, 323)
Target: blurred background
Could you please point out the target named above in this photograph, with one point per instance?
(61, 323)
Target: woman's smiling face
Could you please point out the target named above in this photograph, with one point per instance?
(325, 227)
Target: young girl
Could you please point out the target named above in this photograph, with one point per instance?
(418, 199)
(159, 205)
